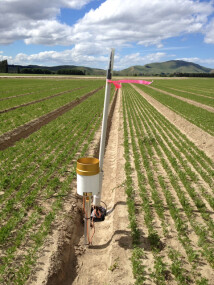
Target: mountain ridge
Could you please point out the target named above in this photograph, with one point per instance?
(157, 68)
(166, 68)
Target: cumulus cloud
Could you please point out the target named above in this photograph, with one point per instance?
(69, 57)
(209, 37)
(77, 56)
(201, 61)
(122, 62)
(146, 22)
(114, 23)
(27, 20)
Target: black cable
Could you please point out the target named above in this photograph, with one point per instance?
(104, 204)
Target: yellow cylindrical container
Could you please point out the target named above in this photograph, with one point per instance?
(88, 175)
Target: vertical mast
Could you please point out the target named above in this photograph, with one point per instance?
(97, 198)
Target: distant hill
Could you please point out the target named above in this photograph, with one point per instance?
(55, 69)
(159, 68)
(167, 67)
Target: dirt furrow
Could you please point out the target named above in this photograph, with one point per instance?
(10, 138)
(199, 137)
(15, 96)
(205, 107)
(184, 91)
(107, 260)
(37, 101)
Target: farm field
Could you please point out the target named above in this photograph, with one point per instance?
(42, 98)
(35, 176)
(174, 216)
(159, 183)
(197, 115)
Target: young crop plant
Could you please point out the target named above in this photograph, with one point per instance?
(137, 254)
(198, 116)
(34, 192)
(153, 237)
(199, 86)
(170, 169)
(200, 98)
(23, 114)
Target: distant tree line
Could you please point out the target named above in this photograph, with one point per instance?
(71, 72)
(34, 71)
(47, 71)
(192, 74)
(162, 74)
(3, 66)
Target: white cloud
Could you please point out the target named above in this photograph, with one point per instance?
(114, 23)
(201, 61)
(27, 19)
(49, 32)
(77, 56)
(67, 57)
(209, 37)
(146, 22)
(137, 59)
(8, 58)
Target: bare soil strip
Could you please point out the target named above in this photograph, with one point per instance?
(184, 91)
(10, 138)
(201, 139)
(107, 260)
(205, 107)
(7, 98)
(37, 101)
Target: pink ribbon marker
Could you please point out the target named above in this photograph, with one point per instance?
(118, 85)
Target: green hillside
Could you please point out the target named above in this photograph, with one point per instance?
(168, 67)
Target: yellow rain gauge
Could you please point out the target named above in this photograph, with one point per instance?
(90, 172)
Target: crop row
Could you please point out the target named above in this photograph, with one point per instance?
(198, 116)
(209, 101)
(37, 174)
(40, 92)
(199, 86)
(20, 116)
(25, 87)
(167, 180)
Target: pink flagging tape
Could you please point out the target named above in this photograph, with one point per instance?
(118, 85)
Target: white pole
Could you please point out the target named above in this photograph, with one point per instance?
(97, 198)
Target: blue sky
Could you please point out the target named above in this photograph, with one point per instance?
(81, 32)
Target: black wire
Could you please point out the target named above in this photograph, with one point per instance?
(104, 204)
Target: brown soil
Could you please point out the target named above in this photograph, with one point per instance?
(15, 96)
(10, 138)
(201, 139)
(107, 260)
(205, 107)
(184, 91)
(37, 101)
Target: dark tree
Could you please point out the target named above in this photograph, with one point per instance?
(4, 66)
